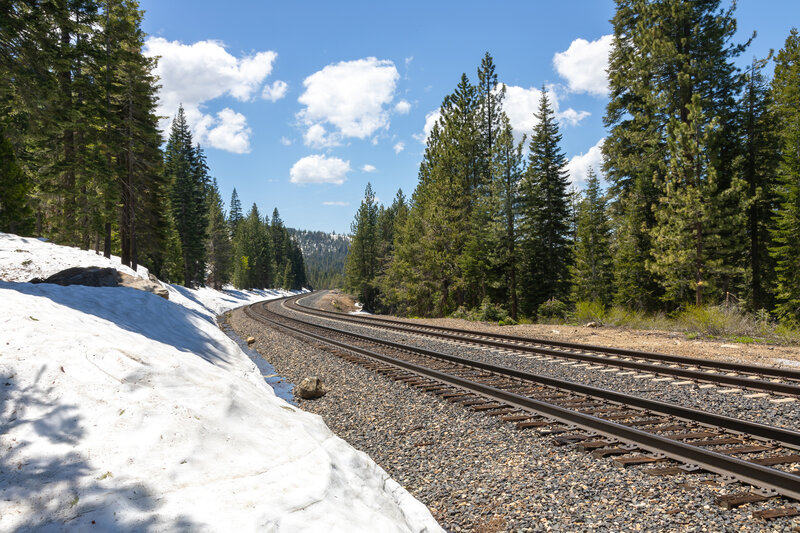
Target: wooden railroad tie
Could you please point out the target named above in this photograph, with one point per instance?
(731, 501)
(780, 512)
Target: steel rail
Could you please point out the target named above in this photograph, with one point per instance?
(787, 437)
(781, 482)
(698, 375)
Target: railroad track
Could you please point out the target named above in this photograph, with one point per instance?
(632, 430)
(783, 383)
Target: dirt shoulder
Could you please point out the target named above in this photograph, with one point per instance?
(667, 342)
(336, 301)
(650, 341)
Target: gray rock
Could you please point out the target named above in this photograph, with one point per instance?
(311, 387)
(103, 277)
(126, 280)
(89, 276)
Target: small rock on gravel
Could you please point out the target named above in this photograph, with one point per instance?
(311, 387)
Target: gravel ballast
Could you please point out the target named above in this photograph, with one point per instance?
(715, 399)
(477, 473)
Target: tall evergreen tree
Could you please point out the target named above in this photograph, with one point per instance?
(507, 171)
(490, 112)
(592, 271)
(185, 167)
(786, 98)
(133, 136)
(757, 168)
(218, 245)
(362, 259)
(662, 54)
(280, 246)
(686, 239)
(16, 215)
(432, 250)
(235, 216)
(254, 265)
(545, 215)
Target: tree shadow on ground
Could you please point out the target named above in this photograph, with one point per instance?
(56, 489)
(139, 312)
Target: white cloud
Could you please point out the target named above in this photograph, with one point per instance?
(584, 65)
(399, 147)
(578, 166)
(194, 74)
(276, 91)
(285, 141)
(368, 168)
(228, 131)
(431, 118)
(336, 203)
(520, 104)
(317, 136)
(320, 169)
(402, 107)
(351, 97)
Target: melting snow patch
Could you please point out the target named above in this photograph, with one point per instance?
(122, 411)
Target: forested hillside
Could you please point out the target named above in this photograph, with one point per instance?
(81, 158)
(324, 255)
(701, 204)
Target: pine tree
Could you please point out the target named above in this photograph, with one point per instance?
(480, 273)
(218, 245)
(490, 113)
(786, 234)
(133, 140)
(16, 215)
(686, 237)
(758, 169)
(185, 166)
(507, 174)
(545, 215)
(254, 260)
(434, 250)
(390, 227)
(362, 259)
(235, 216)
(279, 246)
(592, 271)
(662, 54)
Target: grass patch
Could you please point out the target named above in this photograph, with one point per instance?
(708, 322)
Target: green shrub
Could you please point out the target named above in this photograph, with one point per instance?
(631, 318)
(491, 312)
(589, 312)
(715, 320)
(461, 312)
(553, 308)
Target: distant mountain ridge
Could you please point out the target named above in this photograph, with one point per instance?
(324, 255)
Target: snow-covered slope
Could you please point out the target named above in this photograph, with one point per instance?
(122, 411)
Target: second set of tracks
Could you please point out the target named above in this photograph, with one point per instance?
(632, 429)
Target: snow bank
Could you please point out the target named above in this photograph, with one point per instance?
(122, 411)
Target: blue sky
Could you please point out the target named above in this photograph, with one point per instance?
(299, 104)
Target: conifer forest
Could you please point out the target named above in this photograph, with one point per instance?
(700, 204)
(83, 162)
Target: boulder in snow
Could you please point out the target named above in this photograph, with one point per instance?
(89, 276)
(126, 280)
(103, 277)
(311, 387)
